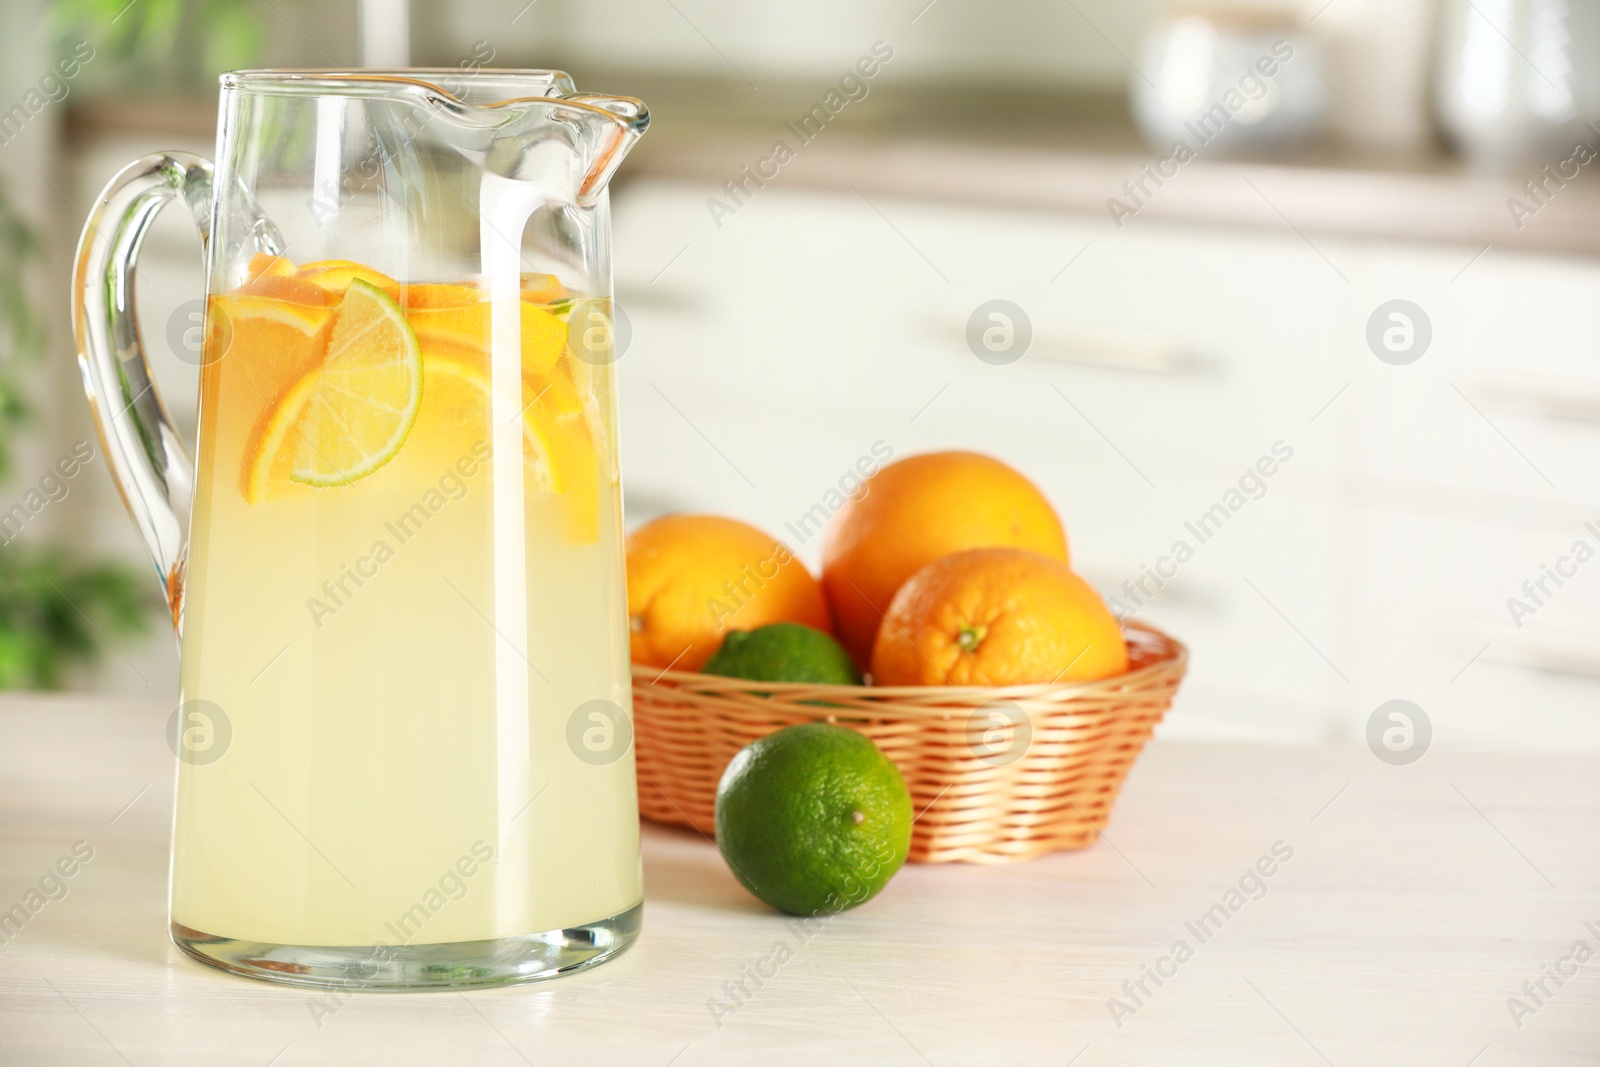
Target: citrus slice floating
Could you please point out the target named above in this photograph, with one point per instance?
(421, 296)
(329, 264)
(265, 264)
(269, 463)
(288, 290)
(438, 317)
(336, 276)
(557, 394)
(581, 501)
(268, 346)
(305, 319)
(558, 451)
(351, 415)
(542, 288)
(573, 445)
(460, 397)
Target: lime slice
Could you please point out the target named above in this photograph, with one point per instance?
(366, 394)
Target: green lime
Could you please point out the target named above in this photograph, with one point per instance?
(813, 819)
(783, 652)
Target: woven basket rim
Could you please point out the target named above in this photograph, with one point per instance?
(1077, 743)
(1173, 655)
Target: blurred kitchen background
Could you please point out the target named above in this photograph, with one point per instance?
(1172, 315)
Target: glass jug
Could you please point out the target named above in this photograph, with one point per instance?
(404, 729)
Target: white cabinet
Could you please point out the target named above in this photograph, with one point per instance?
(1166, 360)
(1437, 627)
(1506, 401)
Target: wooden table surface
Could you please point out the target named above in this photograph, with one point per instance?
(1416, 903)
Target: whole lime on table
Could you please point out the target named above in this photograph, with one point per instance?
(813, 819)
(783, 652)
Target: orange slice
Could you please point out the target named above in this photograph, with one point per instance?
(307, 319)
(350, 416)
(581, 466)
(267, 344)
(269, 466)
(265, 264)
(542, 288)
(558, 450)
(460, 400)
(335, 275)
(558, 395)
(426, 295)
(573, 443)
(287, 289)
(329, 264)
(544, 336)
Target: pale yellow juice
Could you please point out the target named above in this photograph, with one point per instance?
(407, 661)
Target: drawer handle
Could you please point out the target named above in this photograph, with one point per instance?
(1564, 401)
(1540, 650)
(661, 298)
(1141, 351)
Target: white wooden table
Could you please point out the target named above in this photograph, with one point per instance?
(1417, 901)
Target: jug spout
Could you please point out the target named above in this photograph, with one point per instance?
(618, 122)
(568, 143)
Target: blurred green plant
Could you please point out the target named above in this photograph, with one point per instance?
(166, 44)
(21, 332)
(55, 611)
(46, 601)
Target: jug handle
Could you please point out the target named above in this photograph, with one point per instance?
(145, 452)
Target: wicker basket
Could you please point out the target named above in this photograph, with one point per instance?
(996, 775)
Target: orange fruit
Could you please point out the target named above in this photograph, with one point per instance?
(912, 512)
(267, 344)
(996, 616)
(692, 578)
